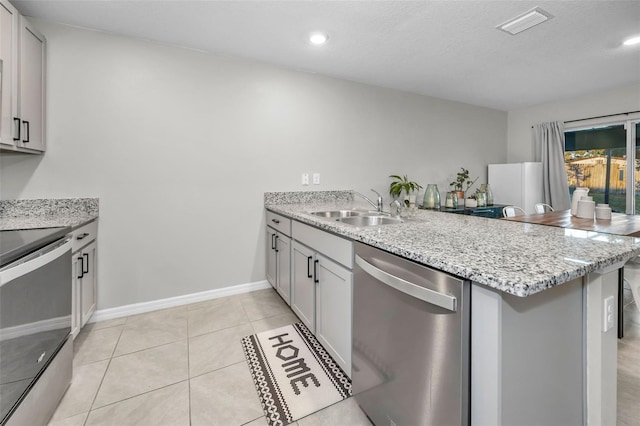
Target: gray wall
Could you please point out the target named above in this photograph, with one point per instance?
(180, 146)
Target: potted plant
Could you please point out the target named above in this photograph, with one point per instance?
(462, 181)
(402, 183)
(471, 201)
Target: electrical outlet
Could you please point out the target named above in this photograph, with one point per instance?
(305, 178)
(316, 178)
(609, 314)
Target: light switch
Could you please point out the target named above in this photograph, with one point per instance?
(305, 178)
(609, 314)
(316, 178)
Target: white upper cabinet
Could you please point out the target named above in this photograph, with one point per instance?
(8, 71)
(31, 102)
(23, 56)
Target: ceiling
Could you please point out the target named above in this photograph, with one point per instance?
(447, 49)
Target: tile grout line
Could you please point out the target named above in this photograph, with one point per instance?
(221, 329)
(135, 396)
(250, 421)
(150, 347)
(247, 321)
(93, 401)
(244, 361)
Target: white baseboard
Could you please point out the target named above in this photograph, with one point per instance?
(139, 308)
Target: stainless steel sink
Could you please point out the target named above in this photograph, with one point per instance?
(370, 220)
(332, 214)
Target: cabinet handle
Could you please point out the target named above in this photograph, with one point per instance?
(26, 131)
(273, 241)
(309, 267)
(18, 128)
(82, 236)
(277, 244)
(81, 259)
(315, 272)
(276, 221)
(86, 256)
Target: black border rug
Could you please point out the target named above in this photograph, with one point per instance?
(293, 374)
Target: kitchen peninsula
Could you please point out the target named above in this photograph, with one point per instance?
(540, 352)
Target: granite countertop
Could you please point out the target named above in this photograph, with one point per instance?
(47, 213)
(517, 258)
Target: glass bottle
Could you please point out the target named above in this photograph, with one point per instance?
(481, 198)
(486, 188)
(451, 200)
(431, 197)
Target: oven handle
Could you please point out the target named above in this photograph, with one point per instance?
(35, 260)
(425, 294)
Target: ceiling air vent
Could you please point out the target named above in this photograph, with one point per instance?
(525, 21)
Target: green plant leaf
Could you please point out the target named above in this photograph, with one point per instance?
(402, 183)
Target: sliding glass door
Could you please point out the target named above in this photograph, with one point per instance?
(604, 158)
(633, 134)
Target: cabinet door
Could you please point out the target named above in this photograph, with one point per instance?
(303, 292)
(89, 281)
(8, 72)
(271, 257)
(76, 307)
(283, 269)
(333, 310)
(31, 105)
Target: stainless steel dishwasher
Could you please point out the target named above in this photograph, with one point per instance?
(411, 341)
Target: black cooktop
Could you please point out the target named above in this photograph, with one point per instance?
(17, 243)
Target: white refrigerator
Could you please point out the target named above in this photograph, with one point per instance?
(518, 184)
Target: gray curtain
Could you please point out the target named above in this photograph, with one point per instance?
(549, 137)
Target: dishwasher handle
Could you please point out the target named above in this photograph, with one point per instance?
(445, 301)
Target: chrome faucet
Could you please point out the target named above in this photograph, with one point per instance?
(377, 205)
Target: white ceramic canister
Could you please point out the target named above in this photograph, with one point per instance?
(578, 193)
(603, 212)
(586, 208)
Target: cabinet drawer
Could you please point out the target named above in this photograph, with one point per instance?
(337, 248)
(84, 235)
(279, 223)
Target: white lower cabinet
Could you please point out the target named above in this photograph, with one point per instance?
(84, 289)
(278, 268)
(322, 288)
(333, 310)
(303, 291)
(88, 282)
(272, 258)
(279, 263)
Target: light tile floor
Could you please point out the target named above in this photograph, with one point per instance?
(185, 366)
(179, 366)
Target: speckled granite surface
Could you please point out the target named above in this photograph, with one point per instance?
(47, 213)
(517, 258)
(306, 197)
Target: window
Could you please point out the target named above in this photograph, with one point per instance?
(597, 157)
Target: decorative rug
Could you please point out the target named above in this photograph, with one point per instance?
(293, 373)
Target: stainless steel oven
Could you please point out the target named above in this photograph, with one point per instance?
(35, 322)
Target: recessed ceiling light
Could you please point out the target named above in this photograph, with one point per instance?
(525, 21)
(318, 38)
(632, 41)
